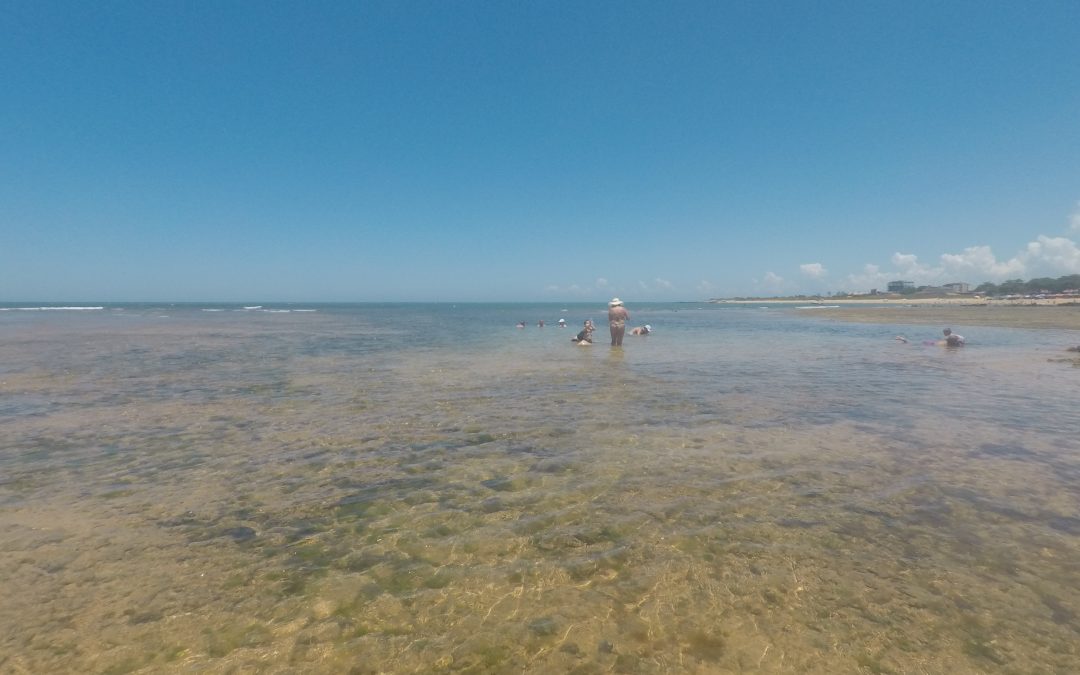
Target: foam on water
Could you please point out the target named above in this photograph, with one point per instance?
(47, 309)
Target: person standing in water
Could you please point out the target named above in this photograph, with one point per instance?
(617, 316)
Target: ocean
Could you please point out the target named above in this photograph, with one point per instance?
(311, 488)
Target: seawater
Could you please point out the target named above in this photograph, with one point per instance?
(425, 488)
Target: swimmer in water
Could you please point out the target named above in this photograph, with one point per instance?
(953, 339)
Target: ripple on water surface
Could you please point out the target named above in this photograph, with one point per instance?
(286, 491)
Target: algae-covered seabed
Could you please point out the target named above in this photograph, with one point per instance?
(173, 501)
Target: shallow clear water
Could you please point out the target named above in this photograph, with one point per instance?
(414, 488)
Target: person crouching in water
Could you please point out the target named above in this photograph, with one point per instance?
(953, 339)
(617, 316)
(585, 336)
(642, 330)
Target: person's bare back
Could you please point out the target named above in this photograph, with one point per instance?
(617, 317)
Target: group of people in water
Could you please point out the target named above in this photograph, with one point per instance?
(617, 318)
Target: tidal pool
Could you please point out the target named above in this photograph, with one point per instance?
(367, 489)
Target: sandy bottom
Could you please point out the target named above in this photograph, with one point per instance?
(216, 502)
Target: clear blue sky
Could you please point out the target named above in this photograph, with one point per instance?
(533, 150)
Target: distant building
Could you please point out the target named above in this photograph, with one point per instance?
(958, 287)
(899, 286)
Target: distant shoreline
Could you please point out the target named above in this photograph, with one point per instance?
(900, 302)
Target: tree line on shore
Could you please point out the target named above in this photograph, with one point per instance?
(1034, 286)
(1046, 285)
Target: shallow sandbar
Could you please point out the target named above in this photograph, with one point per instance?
(1008, 316)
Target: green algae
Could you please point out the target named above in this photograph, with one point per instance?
(224, 639)
(296, 532)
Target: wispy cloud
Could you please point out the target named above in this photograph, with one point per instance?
(1074, 219)
(813, 270)
(870, 277)
(600, 286)
(771, 282)
(656, 285)
(570, 289)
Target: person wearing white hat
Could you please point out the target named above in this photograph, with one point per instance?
(617, 316)
(642, 330)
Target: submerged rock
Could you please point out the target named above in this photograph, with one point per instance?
(543, 626)
(240, 533)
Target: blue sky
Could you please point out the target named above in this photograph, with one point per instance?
(533, 151)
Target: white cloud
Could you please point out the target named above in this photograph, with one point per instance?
(979, 260)
(664, 284)
(1044, 257)
(906, 261)
(813, 270)
(1074, 219)
(704, 287)
(1053, 255)
(870, 277)
(601, 282)
(909, 268)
